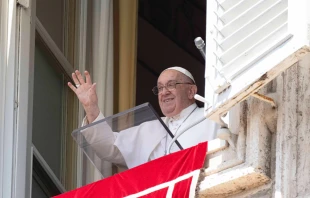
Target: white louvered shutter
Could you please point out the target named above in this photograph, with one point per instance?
(247, 38)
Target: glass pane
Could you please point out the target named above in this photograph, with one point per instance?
(51, 15)
(37, 191)
(97, 140)
(45, 184)
(47, 111)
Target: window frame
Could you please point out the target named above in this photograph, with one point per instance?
(17, 54)
(63, 66)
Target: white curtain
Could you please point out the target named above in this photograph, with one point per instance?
(102, 59)
(103, 53)
(99, 52)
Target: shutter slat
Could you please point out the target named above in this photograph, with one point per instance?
(235, 11)
(252, 38)
(251, 25)
(227, 4)
(263, 10)
(247, 58)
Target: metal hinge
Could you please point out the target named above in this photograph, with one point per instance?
(24, 3)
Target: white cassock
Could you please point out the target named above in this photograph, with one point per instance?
(148, 141)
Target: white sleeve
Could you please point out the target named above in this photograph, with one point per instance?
(101, 138)
(99, 117)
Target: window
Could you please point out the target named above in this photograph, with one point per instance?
(49, 101)
(55, 107)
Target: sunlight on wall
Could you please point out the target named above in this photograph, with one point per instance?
(278, 194)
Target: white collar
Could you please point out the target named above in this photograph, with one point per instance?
(184, 113)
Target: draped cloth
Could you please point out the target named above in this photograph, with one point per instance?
(174, 175)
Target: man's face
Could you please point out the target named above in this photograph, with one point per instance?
(172, 102)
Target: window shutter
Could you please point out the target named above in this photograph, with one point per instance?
(245, 40)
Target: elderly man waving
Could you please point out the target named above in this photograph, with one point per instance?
(175, 89)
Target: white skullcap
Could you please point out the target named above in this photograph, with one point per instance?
(183, 71)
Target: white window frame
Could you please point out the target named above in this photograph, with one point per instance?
(17, 57)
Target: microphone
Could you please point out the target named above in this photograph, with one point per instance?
(200, 44)
(201, 99)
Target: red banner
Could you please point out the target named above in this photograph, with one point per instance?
(174, 175)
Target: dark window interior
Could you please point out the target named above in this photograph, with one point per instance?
(166, 33)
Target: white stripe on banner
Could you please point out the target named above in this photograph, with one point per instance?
(170, 190)
(192, 190)
(170, 184)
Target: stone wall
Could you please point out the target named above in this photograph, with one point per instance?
(272, 145)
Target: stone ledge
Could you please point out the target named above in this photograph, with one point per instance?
(232, 181)
(232, 170)
(216, 145)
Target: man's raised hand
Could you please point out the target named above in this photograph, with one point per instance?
(86, 93)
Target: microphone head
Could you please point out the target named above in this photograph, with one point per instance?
(199, 43)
